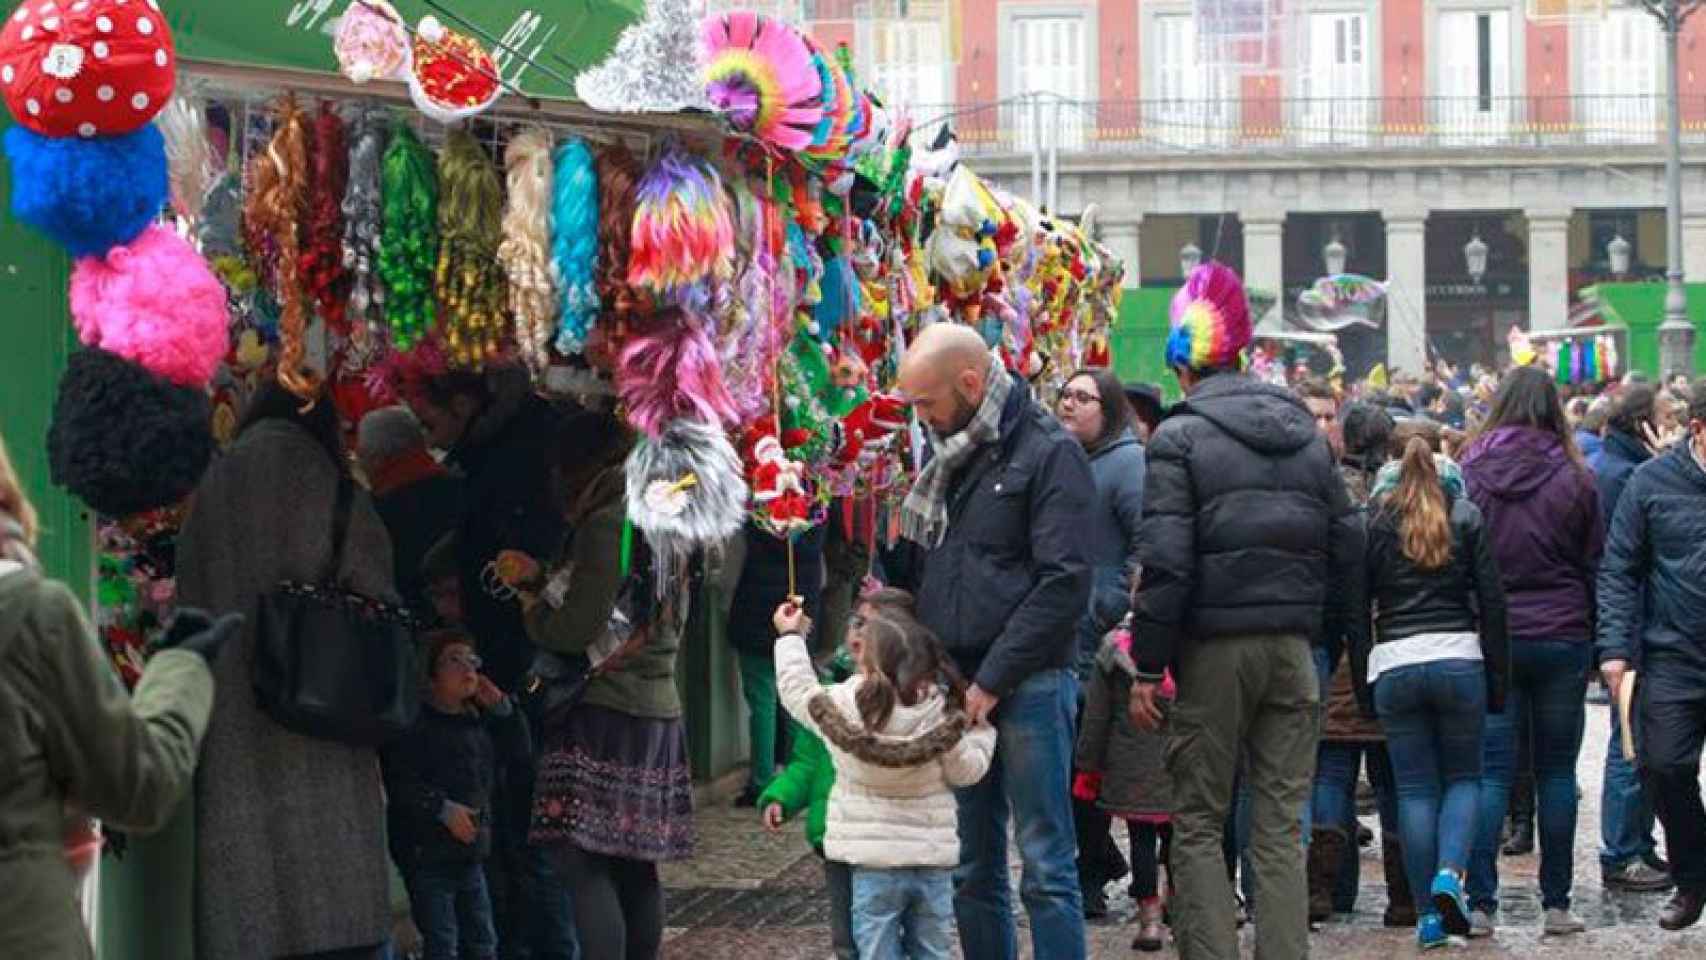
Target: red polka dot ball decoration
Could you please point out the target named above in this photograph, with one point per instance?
(86, 68)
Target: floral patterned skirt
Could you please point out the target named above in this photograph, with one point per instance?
(616, 785)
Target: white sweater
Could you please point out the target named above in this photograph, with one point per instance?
(893, 802)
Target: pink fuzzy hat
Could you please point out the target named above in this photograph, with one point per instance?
(155, 302)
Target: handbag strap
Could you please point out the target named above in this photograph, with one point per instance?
(340, 527)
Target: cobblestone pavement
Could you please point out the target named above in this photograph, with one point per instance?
(750, 895)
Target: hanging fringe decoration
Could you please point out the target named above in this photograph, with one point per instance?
(363, 211)
(526, 249)
(277, 209)
(408, 248)
(469, 283)
(685, 492)
(189, 159)
(323, 273)
(683, 233)
(670, 371)
(576, 208)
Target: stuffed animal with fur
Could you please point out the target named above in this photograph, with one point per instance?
(685, 490)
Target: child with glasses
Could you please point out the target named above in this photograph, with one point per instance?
(438, 782)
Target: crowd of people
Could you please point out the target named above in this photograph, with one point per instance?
(1209, 621)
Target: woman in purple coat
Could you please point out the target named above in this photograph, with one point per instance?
(1543, 517)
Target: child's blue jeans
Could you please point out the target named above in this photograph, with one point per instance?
(904, 912)
(451, 907)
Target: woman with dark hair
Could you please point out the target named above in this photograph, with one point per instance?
(614, 796)
(1093, 409)
(273, 806)
(1429, 649)
(1543, 519)
(1349, 739)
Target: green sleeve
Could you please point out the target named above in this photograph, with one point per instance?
(125, 759)
(792, 788)
(584, 616)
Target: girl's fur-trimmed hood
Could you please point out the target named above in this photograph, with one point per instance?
(914, 735)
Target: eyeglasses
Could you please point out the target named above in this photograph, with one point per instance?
(1079, 397)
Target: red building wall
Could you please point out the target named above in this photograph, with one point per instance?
(1548, 82)
(1403, 65)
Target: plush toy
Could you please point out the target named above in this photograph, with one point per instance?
(779, 486)
(869, 425)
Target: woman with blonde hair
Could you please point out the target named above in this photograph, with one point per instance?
(1429, 655)
(73, 745)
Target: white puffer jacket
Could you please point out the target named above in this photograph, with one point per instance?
(893, 801)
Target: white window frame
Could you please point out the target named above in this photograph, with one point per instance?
(878, 37)
(1186, 105)
(1464, 124)
(1627, 112)
(1076, 116)
(1336, 119)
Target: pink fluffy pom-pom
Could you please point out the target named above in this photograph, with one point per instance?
(155, 302)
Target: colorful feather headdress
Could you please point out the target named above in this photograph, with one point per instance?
(1211, 320)
(763, 77)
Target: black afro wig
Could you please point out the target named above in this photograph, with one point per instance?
(124, 439)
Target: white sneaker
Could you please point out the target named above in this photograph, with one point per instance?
(1562, 923)
(1480, 924)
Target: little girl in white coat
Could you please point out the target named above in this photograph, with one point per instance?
(901, 743)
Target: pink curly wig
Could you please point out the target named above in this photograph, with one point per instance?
(154, 302)
(670, 370)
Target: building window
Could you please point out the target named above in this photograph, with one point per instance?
(1619, 73)
(1474, 76)
(1051, 57)
(1189, 105)
(1334, 105)
(909, 66)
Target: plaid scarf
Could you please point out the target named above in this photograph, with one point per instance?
(924, 515)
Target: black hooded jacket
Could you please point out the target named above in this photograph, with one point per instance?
(1247, 528)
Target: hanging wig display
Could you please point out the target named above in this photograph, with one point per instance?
(469, 281)
(760, 74)
(526, 249)
(685, 491)
(683, 231)
(154, 302)
(323, 272)
(575, 245)
(362, 214)
(88, 195)
(671, 370)
(277, 208)
(189, 157)
(618, 181)
(408, 247)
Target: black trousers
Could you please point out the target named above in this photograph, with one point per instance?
(1671, 730)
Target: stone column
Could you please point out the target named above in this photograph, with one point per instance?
(1121, 236)
(1548, 269)
(1694, 248)
(1264, 253)
(1407, 293)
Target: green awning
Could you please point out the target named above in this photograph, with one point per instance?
(563, 36)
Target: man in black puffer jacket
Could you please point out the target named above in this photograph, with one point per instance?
(1249, 545)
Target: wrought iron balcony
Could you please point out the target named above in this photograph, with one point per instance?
(1174, 127)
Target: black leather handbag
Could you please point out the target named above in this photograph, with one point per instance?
(333, 664)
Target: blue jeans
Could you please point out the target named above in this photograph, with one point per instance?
(1550, 676)
(1625, 815)
(1433, 715)
(451, 907)
(1336, 767)
(1027, 783)
(903, 912)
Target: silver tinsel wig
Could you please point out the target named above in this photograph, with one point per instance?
(654, 67)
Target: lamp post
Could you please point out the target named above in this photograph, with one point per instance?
(1333, 256)
(1190, 256)
(1475, 257)
(1617, 253)
(1676, 335)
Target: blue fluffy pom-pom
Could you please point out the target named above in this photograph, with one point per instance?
(88, 194)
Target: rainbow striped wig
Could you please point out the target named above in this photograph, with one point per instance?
(1211, 320)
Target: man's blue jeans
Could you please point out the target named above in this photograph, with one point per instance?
(1551, 677)
(906, 913)
(1625, 815)
(1337, 764)
(1433, 715)
(451, 907)
(1029, 784)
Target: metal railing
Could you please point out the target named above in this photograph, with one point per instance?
(1161, 127)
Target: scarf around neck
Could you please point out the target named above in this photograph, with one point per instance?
(924, 515)
(1450, 477)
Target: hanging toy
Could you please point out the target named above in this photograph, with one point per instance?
(452, 77)
(683, 231)
(526, 249)
(408, 247)
(95, 68)
(782, 496)
(685, 491)
(156, 303)
(575, 205)
(469, 282)
(372, 42)
(273, 219)
(867, 428)
(760, 75)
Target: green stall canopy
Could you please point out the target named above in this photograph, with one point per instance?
(561, 37)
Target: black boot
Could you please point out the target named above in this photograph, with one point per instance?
(1326, 853)
(1400, 902)
(1520, 837)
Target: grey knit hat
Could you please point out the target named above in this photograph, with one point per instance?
(388, 433)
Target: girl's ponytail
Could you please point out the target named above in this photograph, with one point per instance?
(1419, 502)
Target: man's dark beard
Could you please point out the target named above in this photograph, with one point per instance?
(964, 410)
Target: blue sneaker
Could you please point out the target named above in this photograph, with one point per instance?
(1448, 900)
(1430, 932)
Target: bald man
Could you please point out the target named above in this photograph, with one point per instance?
(997, 562)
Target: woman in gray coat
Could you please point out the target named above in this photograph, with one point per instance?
(290, 831)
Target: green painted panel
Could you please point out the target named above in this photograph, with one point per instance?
(565, 36)
(1139, 338)
(1641, 306)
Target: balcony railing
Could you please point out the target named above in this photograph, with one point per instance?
(1163, 127)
